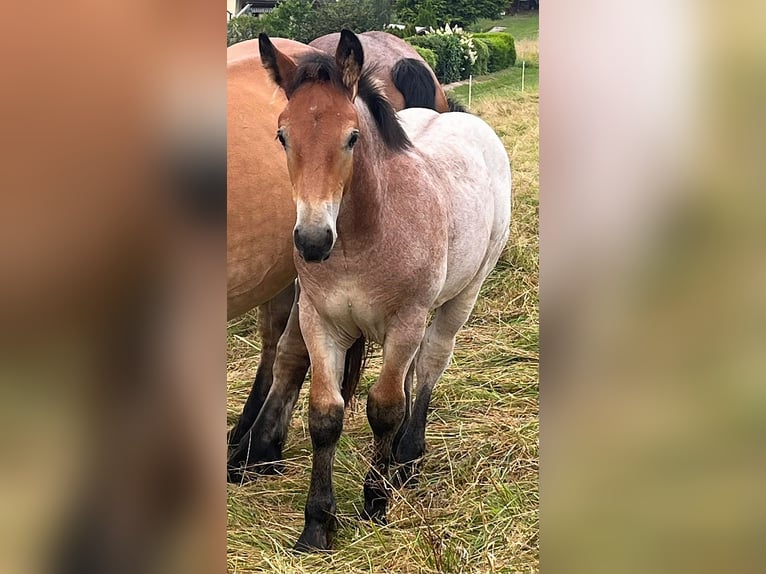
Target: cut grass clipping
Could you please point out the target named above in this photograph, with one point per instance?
(475, 508)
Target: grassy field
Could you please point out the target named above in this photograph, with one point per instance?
(507, 83)
(500, 85)
(475, 509)
(522, 25)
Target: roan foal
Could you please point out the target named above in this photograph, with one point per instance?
(393, 221)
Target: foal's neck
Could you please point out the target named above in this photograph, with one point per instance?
(363, 200)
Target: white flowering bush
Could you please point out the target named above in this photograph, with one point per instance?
(468, 46)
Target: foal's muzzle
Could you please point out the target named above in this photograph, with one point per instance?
(314, 244)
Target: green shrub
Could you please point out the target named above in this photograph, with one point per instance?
(246, 28)
(303, 21)
(449, 55)
(481, 66)
(355, 15)
(406, 32)
(398, 33)
(428, 55)
(502, 50)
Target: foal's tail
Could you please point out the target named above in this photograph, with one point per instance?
(414, 80)
(356, 357)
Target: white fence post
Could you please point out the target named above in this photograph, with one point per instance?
(523, 69)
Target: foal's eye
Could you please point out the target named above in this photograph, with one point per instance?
(281, 138)
(352, 139)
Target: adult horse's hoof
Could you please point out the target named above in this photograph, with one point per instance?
(255, 458)
(374, 515)
(406, 475)
(313, 539)
(242, 474)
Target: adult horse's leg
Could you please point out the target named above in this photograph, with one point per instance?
(326, 409)
(264, 439)
(386, 410)
(432, 360)
(272, 320)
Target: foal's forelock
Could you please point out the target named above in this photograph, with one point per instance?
(322, 69)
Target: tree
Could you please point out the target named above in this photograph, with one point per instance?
(291, 19)
(464, 12)
(355, 15)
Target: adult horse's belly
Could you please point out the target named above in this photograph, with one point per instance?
(260, 209)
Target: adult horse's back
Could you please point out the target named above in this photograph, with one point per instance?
(408, 81)
(260, 209)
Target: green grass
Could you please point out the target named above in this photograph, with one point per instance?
(521, 26)
(503, 84)
(475, 509)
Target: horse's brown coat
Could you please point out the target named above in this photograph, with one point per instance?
(260, 209)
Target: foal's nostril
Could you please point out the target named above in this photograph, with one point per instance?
(314, 243)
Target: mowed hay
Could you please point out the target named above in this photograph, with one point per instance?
(475, 508)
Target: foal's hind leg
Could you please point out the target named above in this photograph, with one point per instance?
(431, 362)
(272, 320)
(387, 409)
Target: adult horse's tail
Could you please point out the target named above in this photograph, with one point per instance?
(356, 357)
(455, 106)
(414, 80)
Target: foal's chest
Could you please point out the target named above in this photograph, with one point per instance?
(350, 308)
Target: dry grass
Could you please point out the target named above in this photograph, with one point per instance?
(528, 50)
(476, 506)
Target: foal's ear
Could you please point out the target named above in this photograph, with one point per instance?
(280, 67)
(350, 58)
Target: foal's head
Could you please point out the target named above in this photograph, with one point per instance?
(319, 129)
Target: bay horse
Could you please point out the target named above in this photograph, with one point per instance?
(393, 221)
(260, 213)
(261, 216)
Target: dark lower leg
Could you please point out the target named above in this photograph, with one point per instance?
(412, 445)
(256, 398)
(326, 424)
(272, 321)
(262, 444)
(385, 414)
(407, 405)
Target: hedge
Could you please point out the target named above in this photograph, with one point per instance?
(428, 55)
(449, 55)
(244, 28)
(502, 50)
(481, 66)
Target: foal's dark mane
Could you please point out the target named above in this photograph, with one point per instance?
(321, 68)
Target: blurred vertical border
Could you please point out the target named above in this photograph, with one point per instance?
(653, 318)
(112, 298)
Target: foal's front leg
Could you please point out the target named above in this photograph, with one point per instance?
(326, 409)
(386, 409)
